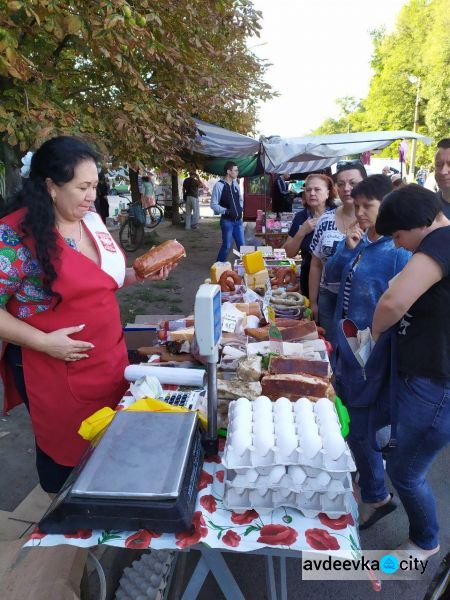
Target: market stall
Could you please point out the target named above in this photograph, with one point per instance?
(250, 362)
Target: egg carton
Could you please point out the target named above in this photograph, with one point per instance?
(264, 433)
(309, 503)
(293, 477)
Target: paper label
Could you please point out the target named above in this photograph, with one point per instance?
(229, 323)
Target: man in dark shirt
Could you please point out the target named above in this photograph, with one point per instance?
(442, 174)
(191, 186)
(280, 195)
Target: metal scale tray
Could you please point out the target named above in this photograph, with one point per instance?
(143, 474)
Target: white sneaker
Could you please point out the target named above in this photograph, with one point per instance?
(416, 551)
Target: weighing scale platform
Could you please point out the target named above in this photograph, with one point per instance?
(143, 474)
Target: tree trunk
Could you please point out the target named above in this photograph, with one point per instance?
(175, 199)
(134, 186)
(12, 179)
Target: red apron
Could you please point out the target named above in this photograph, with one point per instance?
(62, 394)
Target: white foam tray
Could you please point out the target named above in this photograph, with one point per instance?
(315, 480)
(309, 503)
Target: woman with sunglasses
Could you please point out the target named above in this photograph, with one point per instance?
(331, 228)
(318, 196)
(418, 298)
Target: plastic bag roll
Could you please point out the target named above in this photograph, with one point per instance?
(167, 375)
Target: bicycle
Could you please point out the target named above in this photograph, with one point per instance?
(132, 230)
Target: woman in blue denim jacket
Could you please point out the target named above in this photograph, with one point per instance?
(419, 297)
(364, 263)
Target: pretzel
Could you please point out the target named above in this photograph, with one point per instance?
(228, 281)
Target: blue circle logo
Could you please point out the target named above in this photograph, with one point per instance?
(389, 564)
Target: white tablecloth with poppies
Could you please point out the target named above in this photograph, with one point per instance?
(221, 528)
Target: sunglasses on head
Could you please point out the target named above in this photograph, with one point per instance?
(345, 163)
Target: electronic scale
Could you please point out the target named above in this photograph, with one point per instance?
(144, 471)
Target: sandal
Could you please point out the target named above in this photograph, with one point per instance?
(379, 513)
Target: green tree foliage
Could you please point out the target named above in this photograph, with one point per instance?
(128, 75)
(417, 51)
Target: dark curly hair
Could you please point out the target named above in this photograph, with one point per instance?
(57, 160)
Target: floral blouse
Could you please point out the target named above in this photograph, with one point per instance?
(20, 275)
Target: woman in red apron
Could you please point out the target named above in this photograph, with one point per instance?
(63, 352)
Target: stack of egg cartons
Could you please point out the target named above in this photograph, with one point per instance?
(287, 453)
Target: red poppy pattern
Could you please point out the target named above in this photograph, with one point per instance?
(79, 534)
(319, 539)
(141, 539)
(209, 503)
(220, 527)
(277, 535)
(205, 480)
(37, 534)
(215, 458)
(231, 538)
(193, 535)
(340, 523)
(243, 519)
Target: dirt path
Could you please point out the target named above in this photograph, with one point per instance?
(177, 294)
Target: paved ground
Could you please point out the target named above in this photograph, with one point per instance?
(22, 502)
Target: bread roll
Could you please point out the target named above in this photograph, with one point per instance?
(154, 260)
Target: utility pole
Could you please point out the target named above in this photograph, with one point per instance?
(412, 163)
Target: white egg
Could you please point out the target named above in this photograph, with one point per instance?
(282, 405)
(330, 417)
(262, 401)
(307, 428)
(323, 406)
(276, 473)
(310, 443)
(241, 440)
(329, 427)
(287, 442)
(334, 445)
(262, 413)
(306, 420)
(242, 410)
(297, 474)
(285, 417)
(303, 404)
(242, 423)
(263, 442)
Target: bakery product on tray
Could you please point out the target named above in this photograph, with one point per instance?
(156, 258)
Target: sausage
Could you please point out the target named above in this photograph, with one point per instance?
(228, 281)
(156, 258)
(285, 277)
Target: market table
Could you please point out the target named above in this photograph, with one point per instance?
(283, 532)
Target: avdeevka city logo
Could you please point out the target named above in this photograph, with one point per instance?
(389, 564)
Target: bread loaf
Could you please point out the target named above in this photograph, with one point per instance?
(154, 260)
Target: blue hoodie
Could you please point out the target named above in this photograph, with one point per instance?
(380, 261)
